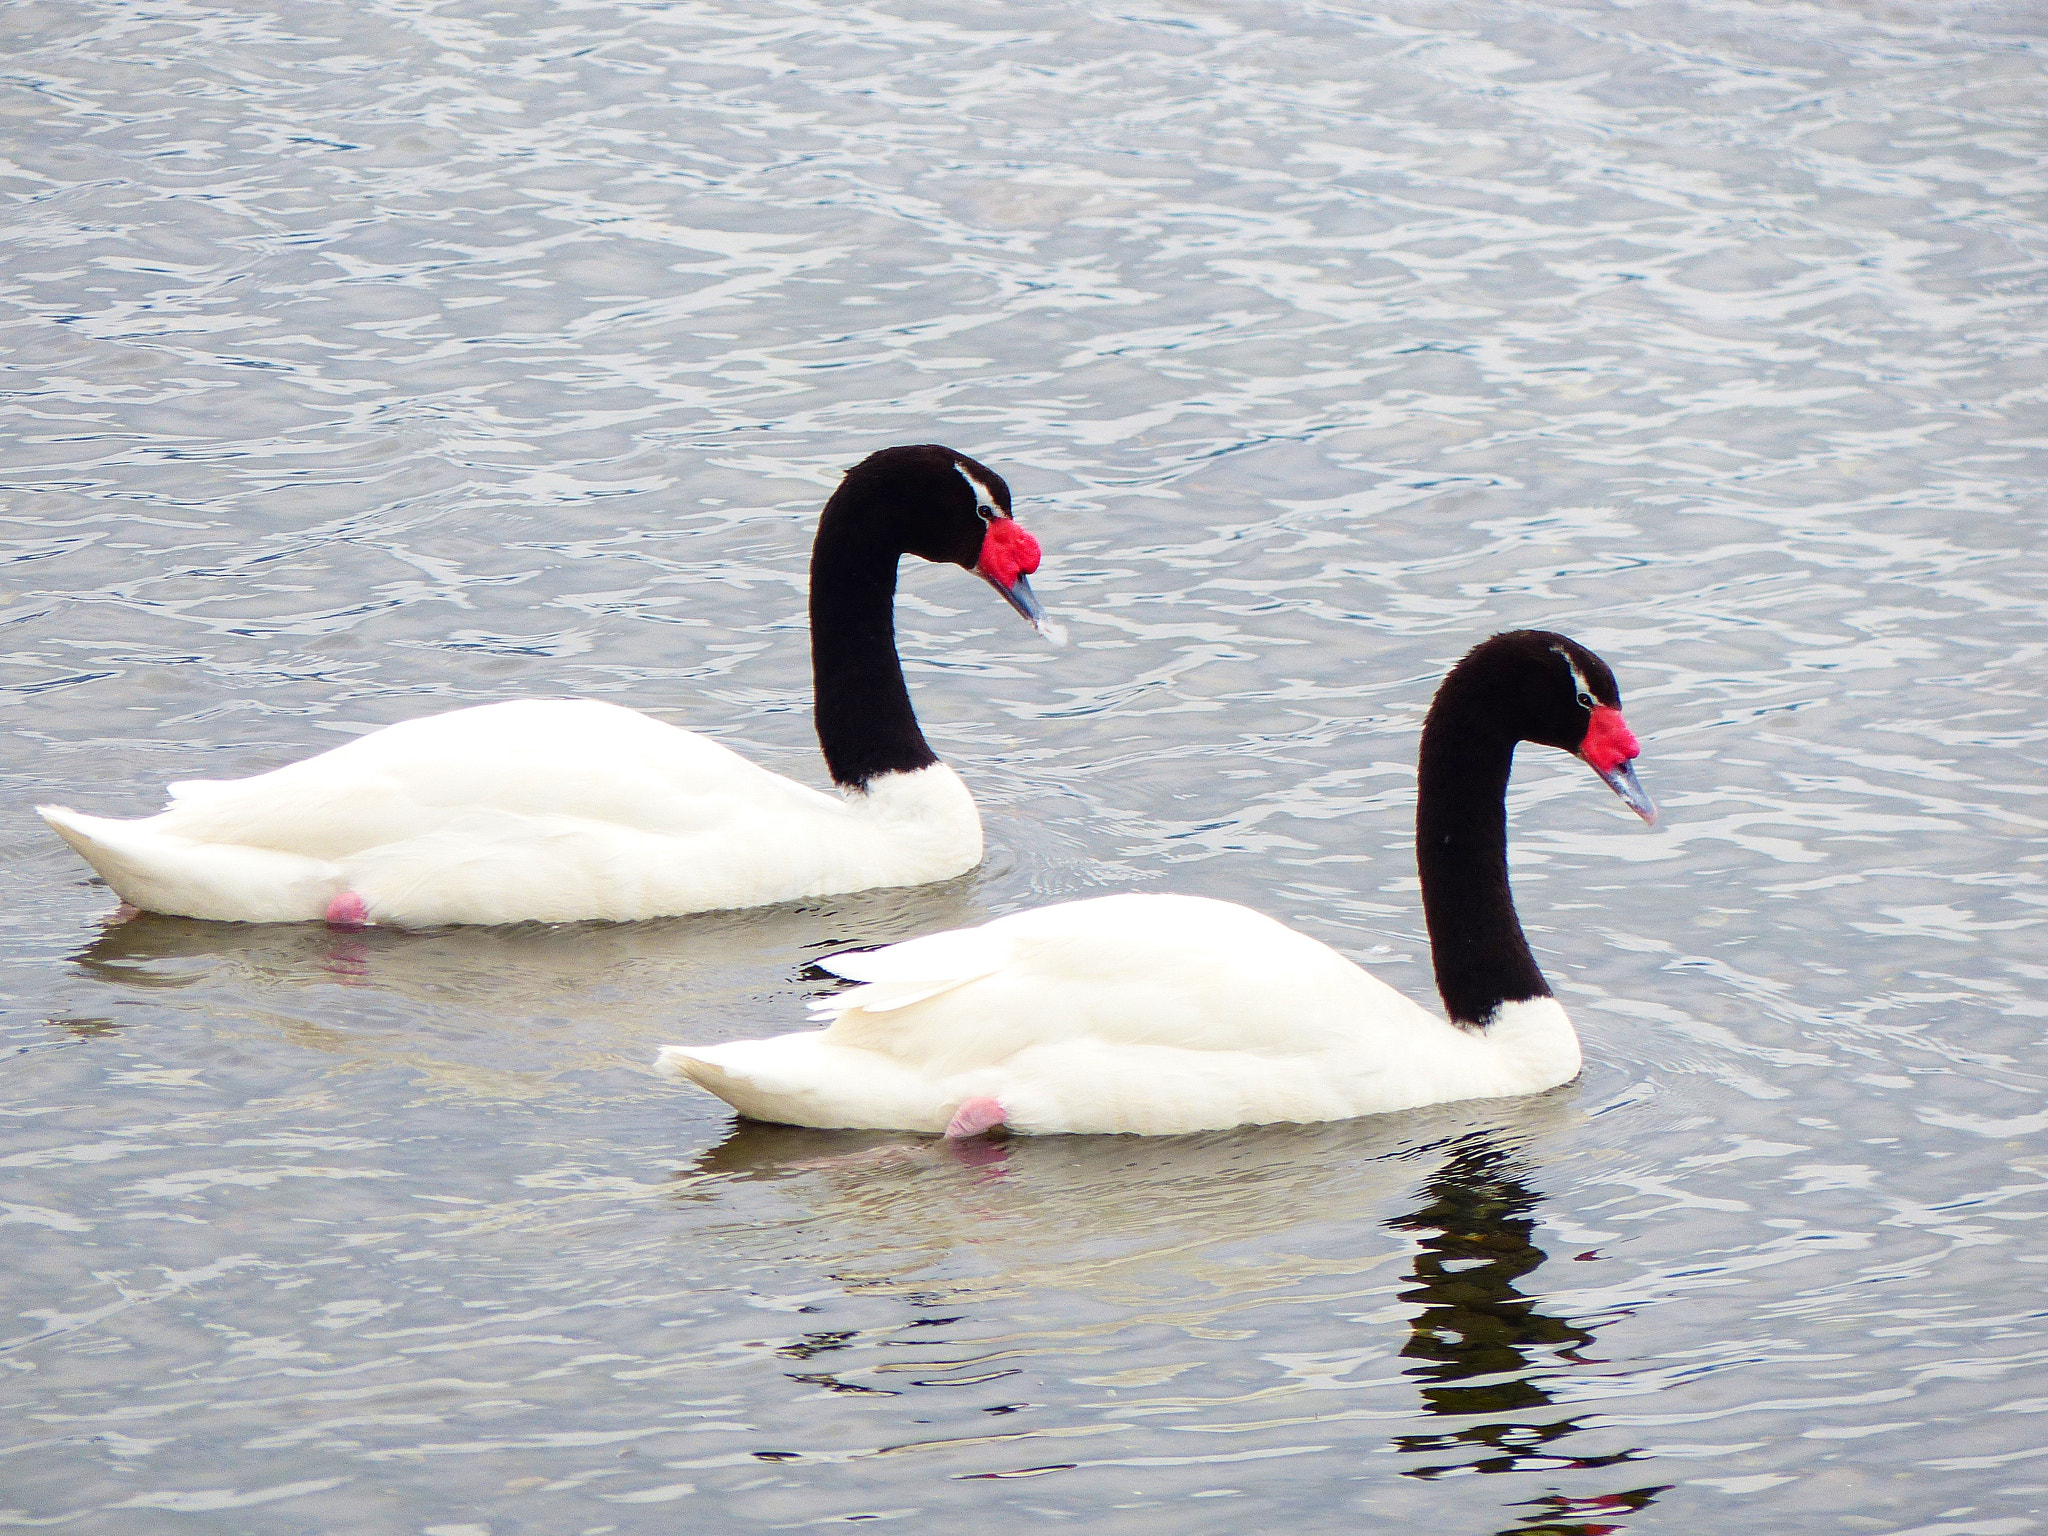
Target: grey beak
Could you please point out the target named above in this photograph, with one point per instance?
(1020, 597)
(1622, 780)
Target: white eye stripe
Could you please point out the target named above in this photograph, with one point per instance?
(1586, 695)
(985, 501)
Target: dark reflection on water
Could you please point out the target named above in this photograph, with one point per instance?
(945, 1235)
(1489, 1346)
(1474, 1322)
(1595, 1515)
(85, 1029)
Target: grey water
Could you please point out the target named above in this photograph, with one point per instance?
(368, 359)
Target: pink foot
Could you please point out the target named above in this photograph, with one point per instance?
(973, 1117)
(348, 910)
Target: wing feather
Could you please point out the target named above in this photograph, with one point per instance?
(914, 971)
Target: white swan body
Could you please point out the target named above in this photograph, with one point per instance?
(535, 810)
(1164, 1014)
(1145, 1013)
(557, 810)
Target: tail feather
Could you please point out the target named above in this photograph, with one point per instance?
(162, 872)
(802, 1079)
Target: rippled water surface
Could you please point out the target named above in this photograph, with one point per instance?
(367, 359)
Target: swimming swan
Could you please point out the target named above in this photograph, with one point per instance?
(1162, 1014)
(561, 809)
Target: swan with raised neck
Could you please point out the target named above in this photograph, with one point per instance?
(1164, 1014)
(561, 809)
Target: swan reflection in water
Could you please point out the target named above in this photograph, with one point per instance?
(1211, 1235)
(501, 1011)
(1486, 1348)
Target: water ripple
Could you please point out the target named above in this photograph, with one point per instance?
(462, 352)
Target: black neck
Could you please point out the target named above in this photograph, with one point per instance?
(1461, 851)
(865, 723)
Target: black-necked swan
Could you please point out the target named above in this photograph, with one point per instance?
(1165, 1014)
(555, 810)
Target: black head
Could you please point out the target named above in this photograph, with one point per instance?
(941, 506)
(927, 501)
(1537, 685)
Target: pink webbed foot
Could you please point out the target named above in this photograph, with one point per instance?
(973, 1117)
(348, 910)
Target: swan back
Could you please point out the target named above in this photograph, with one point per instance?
(544, 810)
(1154, 1014)
(1173, 1013)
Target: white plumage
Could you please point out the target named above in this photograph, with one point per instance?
(537, 809)
(555, 810)
(1152, 1014)
(1164, 1014)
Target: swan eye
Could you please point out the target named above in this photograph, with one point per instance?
(1585, 689)
(985, 506)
